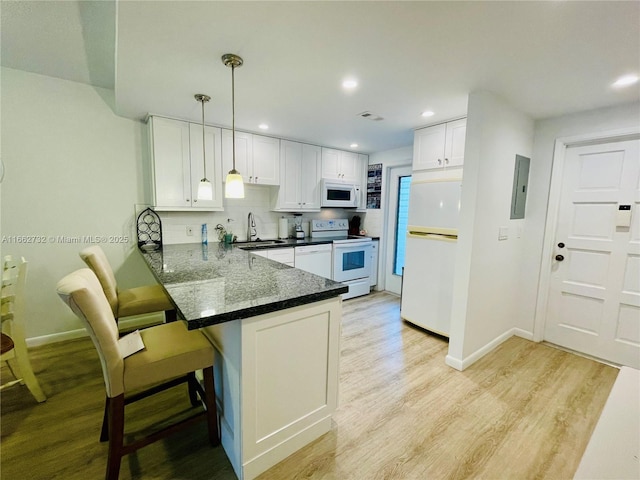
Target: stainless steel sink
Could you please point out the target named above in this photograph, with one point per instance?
(258, 243)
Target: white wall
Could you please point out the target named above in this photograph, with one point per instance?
(487, 287)
(73, 168)
(546, 133)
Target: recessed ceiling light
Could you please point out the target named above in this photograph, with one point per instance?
(263, 126)
(350, 83)
(428, 113)
(625, 81)
(354, 145)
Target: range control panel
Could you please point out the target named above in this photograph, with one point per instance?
(329, 225)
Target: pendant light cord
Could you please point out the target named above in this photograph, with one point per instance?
(204, 157)
(233, 115)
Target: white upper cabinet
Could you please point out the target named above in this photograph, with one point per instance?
(310, 175)
(213, 154)
(244, 153)
(257, 157)
(266, 160)
(177, 166)
(440, 146)
(454, 143)
(300, 170)
(341, 165)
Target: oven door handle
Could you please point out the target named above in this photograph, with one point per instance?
(355, 244)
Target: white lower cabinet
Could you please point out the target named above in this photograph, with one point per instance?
(300, 169)
(373, 277)
(276, 381)
(177, 165)
(282, 255)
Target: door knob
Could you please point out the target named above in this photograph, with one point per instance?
(559, 258)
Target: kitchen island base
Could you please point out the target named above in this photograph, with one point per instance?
(276, 382)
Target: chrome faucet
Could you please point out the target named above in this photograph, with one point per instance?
(251, 228)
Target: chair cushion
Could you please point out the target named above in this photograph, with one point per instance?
(6, 344)
(140, 300)
(170, 351)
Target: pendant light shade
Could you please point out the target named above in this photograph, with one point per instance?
(234, 186)
(205, 188)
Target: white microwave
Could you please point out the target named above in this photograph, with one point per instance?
(339, 194)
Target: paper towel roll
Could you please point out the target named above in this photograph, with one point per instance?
(283, 228)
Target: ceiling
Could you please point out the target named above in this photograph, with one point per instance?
(546, 58)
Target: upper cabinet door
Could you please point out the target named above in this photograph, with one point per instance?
(171, 164)
(440, 146)
(341, 165)
(454, 143)
(428, 147)
(350, 167)
(266, 161)
(244, 153)
(290, 164)
(310, 174)
(213, 150)
(330, 163)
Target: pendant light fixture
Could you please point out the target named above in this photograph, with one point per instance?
(205, 188)
(234, 187)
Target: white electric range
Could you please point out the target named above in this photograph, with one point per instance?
(351, 255)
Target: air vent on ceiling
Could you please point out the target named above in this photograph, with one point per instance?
(370, 116)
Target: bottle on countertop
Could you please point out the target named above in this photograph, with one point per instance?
(205, 235)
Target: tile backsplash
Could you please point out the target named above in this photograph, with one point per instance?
(258, 199)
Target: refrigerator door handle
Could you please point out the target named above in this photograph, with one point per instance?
(432, 236)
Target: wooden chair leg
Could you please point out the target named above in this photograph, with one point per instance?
(192, 382)
(24, 365)
(116, 436)
(104, 433)
(210, 403)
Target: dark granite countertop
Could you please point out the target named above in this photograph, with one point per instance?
(219, 283)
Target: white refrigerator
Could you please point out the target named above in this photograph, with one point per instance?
(432, 236)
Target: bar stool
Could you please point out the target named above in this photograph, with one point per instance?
(171, 355)
(125, 303)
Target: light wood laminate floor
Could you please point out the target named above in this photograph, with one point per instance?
(524, 411)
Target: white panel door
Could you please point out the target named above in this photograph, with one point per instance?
(594, 297)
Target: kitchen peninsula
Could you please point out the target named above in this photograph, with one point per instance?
(276, 332)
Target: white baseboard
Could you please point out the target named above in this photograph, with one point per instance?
(128, 323)
(56, 337)
(461, 364)
(266, 460)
